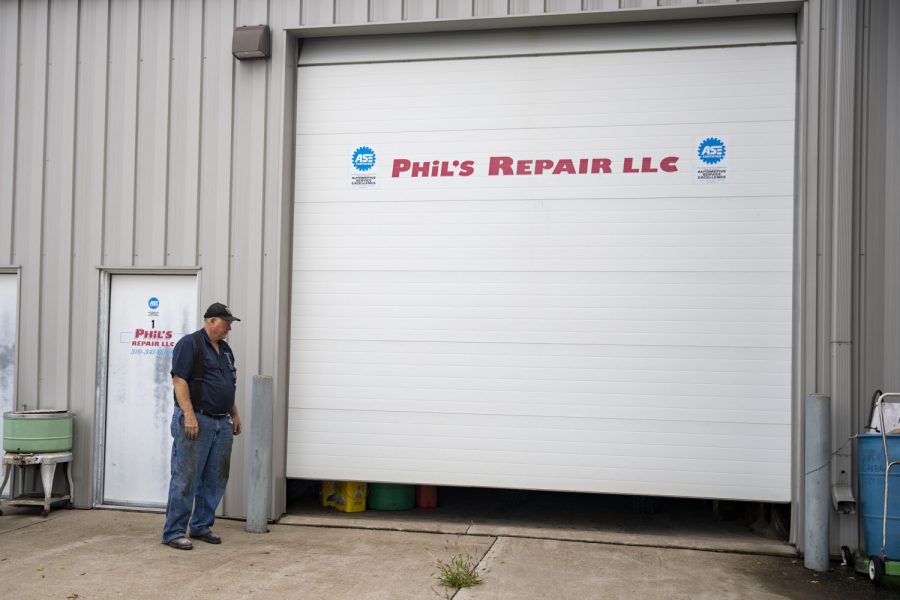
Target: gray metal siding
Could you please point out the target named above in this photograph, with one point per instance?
(87, 232)
(59, 150)
(891, 194)
(9, 59)
(130, 138)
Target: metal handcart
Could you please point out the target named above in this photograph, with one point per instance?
(878, 453)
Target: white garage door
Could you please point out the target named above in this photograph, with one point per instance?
(554, 260)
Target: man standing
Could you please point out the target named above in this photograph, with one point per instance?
(203, 425)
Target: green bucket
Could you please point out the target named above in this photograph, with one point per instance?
(391, 496)
(37, 431)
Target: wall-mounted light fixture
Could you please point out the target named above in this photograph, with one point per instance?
(251, 42)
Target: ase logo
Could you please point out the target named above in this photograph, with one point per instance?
(153, 303)
(711, 150)
(363, 158)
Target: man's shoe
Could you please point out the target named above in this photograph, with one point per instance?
(181, 543)
(209, 537)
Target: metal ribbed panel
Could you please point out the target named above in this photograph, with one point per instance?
(28, 212)
(419, 10)
(562, 5)
(184, 134)
(316, 12)
(9, 22)
(601, 4)
(526, 7)
(386, 10)
(842, 262)
(152, 133)
(276, 276)
(87, 234)
(351, 11)
(214, 217)
(121, 132)
(633, 4)
(892, 212)
(454, 9)
(59, 177)
(248, 185)
(490, 8)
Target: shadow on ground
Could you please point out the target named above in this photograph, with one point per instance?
(625, 520)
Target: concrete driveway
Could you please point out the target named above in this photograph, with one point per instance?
(92, 554)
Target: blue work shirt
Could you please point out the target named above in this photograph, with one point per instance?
(219, 373)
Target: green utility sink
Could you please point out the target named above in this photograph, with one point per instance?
(37, 431)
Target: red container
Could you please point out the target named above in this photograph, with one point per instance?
(426, 496)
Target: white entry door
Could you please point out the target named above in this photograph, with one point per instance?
(9, 310)
(148, 314)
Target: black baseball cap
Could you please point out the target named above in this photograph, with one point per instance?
(217, 309)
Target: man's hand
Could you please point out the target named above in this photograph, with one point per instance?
(183, 397)
(191, 427)
(236, 426)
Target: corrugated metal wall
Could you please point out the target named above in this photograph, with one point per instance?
(129, 137)
(132, 139)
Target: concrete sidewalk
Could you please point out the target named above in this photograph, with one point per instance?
(92, 554)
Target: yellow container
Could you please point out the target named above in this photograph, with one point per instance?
(346, 496)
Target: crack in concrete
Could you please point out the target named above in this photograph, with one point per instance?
(480, 562)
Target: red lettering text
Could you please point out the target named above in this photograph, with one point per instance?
(565, 165)
(401, 165)
(668, 164)
(500, 163)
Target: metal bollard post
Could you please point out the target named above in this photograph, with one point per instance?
(259, 479)
(817, 480)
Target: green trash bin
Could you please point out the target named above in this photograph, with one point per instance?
(391, 496)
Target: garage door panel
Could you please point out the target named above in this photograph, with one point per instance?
(575, 72)
(620, 37)
(365, 263)
(760, 139)
(382, 353)
(315, 313)
(544, 407)
(536, 325)
(762, 184)
(583, 458)
(621, 332)
(616, 96)
(596, 234)
(515, 397)
(429, 251)
(609, 450)
(532, 337)
(333, 303)
(437, 371)
(607, 104)
(706, 405)
(691, 479)
(650, 434)
(607, 91)
(553, 389)
(603, 285)
(582, 463)
(555, 116)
